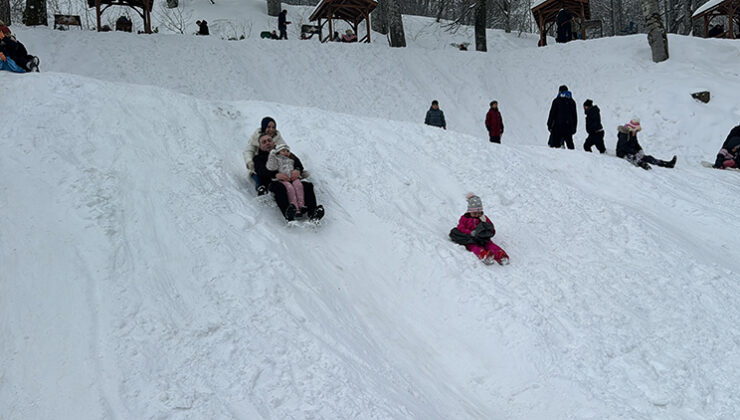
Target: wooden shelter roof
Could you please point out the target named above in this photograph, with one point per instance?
(353, 11)
(549, 9)
(130, 3)
(717, 8)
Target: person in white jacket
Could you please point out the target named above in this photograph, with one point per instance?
(269, 127)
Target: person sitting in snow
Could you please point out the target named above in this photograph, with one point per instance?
(435, 116)
(562, 121)
(16, 57)
(269, 127)
(202, 27)
(274, 182)
(475, 230)
(629, 149)
(729, 154)
(286, 163)
(593, 127)
(349, 36)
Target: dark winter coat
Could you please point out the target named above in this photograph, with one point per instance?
(593, 120)
(282, 20)
(203, 30)
(627, 142)
(266, 175)
(494, 123)
(734, 133)
(15, 50)
(436, 118)
(471, 230)
(563, 118)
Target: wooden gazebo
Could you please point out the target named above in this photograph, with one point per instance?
(351, 11)
(717, 8)
(145, 12)
(545, 14)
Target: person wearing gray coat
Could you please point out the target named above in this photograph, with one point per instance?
(435, 116)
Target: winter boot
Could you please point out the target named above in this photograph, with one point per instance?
(644, 165)
(671, 163)
(290, 212)
(317, 213)
(261, 190)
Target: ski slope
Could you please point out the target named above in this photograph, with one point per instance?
(143, 279)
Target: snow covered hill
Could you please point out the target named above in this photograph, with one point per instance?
(143, 279)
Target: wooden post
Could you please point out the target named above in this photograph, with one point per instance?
(331, 28)
(357, 33)
(97, 13)
(543, 39)
(583, 22)
(147, 17)
(706, 26)
(731, 15)
(367, 25)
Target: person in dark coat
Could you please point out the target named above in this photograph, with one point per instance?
(564, 31)
(593, 127)
(435, 116)
(272, 178)
(203, 27)
(563, 120)
(283, 24)
(729, 154)
(494, 123)
(629, 149)
(17, 52)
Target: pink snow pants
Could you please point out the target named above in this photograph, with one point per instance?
(490, 247)
(295, 193)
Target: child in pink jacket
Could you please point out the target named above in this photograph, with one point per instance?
(475, 230)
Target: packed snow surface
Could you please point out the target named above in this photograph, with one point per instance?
(141, 277)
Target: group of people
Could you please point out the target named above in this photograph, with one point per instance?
(13, 54)
(494, 123)
(274, 168)
(562, 123)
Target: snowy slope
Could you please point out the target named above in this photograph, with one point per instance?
(143, 279)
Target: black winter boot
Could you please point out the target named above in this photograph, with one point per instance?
(669, 164)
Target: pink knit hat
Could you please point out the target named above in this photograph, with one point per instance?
(634, 124)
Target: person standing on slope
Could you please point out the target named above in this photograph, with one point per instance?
(563, 119)
(435, 116)
(593, 127)
(494, 123)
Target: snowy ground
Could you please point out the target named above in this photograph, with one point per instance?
(142, 278)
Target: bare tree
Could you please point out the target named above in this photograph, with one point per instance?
(395, 24)
(480, 25)
(35, 13)
(173, 19)
(688, 10)
(657, 37)
(5, 11)
(273, 7)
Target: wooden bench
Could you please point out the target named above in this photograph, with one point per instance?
(60, 21)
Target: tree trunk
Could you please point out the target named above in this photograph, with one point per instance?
(395, 24)
(657, 37)
(5, 12)
(379, 21)
(35, 13)
(480, 25)
(688, 24)
(273, 7)
(172, 4)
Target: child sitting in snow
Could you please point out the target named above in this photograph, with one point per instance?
(283, 161)
(475, 230)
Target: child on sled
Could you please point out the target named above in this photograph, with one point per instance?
(475, 230)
